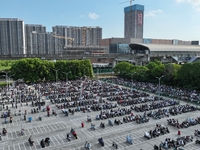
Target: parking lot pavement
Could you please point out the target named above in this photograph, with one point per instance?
(56, 127)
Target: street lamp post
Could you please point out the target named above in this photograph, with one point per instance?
(20, 110)
(132, 80)
(9, 80)
(159, 78)
(67, 76)
(56, 70)
(66, 80)
(81, 93)
(6, 78)
(20, 98)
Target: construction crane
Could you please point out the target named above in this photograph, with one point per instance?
(63, 37)
(130, 19)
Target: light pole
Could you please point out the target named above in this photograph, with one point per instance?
(6, 78)
(56, 70)
(20, 110)
(81, 93)
(20, 98)
(66, 80)
(9, 80)
(67, 75)
(159, 78)
(132, 80)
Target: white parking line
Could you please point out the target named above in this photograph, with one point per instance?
(61, 139)
(63, 125)
(37, 130)
(54, 126)
(56, 139)
(60, 125)
(18, 145)
(52, 141)
(38, 143)
(24, 146)
(47, 128)
(43, 128)
(64, 137)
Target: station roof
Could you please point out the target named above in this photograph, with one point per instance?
(162, 47)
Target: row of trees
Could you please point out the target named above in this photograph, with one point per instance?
(35, 69)
(186, 75)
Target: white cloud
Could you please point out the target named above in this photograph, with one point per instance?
(153, 13)
(194, 3)
(81, 16)
(93, 16)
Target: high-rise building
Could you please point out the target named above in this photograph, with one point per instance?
(77, 36)
(12, 36)
(38, 45)
(133, 21)
(34, 31)
(50, 41)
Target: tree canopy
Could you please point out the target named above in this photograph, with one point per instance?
(35, 69)
(186, 75)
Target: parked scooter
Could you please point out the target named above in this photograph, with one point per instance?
(101, 142)
(69, 138)
(30, 140)
(147, 135)
(89, 118)
(47, 141)
(110, 122)
(155, 147)
(42, 144)
(129, 139)
(22, 132)
(73, 132)
(115, 145)
(54, 112)
(4, 131)
(102, 125)
(197, 141)
(40, 117)
(87, 145)
(92, 126)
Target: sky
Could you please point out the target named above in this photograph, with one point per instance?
(163, 19)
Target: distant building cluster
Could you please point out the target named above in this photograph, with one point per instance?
(19, 38)
(133, 33)
(32, 39)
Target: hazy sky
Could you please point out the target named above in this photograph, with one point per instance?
(164, 19)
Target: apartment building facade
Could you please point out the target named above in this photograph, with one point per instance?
(12, 36)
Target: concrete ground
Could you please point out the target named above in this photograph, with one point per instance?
(56, 127)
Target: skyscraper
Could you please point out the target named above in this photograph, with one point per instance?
(32, 33)
(12, 36)
(133, 21)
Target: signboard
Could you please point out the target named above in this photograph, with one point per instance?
(140, 20)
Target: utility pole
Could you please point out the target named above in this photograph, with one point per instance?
(9, 80)
(132, 80)
(6, 78)
(159, 78)
(66, 80)
(56, 70)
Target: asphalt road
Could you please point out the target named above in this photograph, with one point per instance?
(56, 127)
